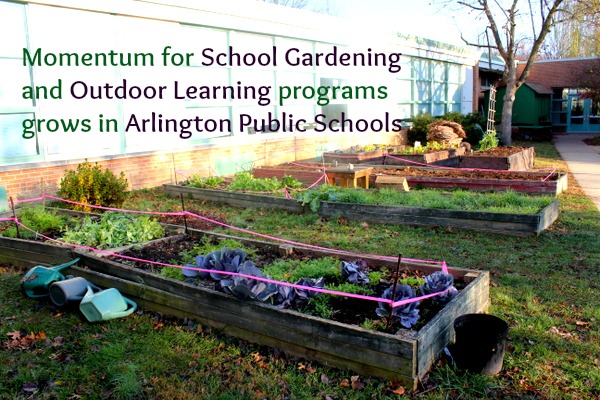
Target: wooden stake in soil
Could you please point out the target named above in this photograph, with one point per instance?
(12, 206)
(387, 325)
(174, 169)
(43, 193)
(184, 214)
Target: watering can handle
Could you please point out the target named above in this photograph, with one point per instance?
(66, 265)
(131, 309)
(91, 287)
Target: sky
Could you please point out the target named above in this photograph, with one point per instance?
(416, 17)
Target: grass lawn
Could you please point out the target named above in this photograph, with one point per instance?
(546, 287)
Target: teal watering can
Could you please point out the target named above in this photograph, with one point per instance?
(104, 305)
(37, 280)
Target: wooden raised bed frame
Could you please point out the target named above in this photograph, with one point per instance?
(521, 161)
(510, 224)
(407, 357)
(363, 157)
(446, 158)
(550, 187)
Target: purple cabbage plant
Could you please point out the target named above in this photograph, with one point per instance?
(225, 259)
(248, 288)
(438, 282)
(407, 315)
(288, 296)
(355, 272)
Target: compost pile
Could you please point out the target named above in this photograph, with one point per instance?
(445, 132)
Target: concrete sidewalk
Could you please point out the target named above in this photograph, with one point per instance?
(583, 161)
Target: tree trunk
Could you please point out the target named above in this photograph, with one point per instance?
(507, 113)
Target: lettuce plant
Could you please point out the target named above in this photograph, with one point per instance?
(438, 282)
(407, 315)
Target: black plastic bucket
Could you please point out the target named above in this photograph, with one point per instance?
(480, 341)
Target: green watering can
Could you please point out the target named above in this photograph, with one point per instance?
(37, 280)
(104, 305)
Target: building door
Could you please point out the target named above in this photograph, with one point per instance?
(583, 115)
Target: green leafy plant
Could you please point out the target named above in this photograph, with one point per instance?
(206, 182)
(172, 272)
(292, 270)
(39, 219)
(428, 148)
(419, 129)
(114, 230)
(89, 184)
(314, 197)
(246, 181)
(489, 141)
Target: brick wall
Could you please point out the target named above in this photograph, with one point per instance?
(567, 73)
(154, 169)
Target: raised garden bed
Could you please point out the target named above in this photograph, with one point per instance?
(351, 157)
(307, 176)
(447, 158)
(511, 224)
(518, 181)
(512, 158)
(238, 199)
(406, 356)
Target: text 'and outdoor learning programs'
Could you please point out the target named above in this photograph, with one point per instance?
(175, 89)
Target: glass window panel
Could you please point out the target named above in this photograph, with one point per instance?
(204, 38)
(246, 120)
(12, 25)
(439, 109)
(454, 92)
(286, 46)
(404, 111)
(256, 78)
(439, 71)
(454, 73)
(423, 108)
(422, 91)
(198, 80)
(421, 69)
(11, 137)
(244, 43)
(439, 91)
(11, 89)
(402, 90)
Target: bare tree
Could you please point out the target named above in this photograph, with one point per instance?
(289, 3)
(578, 35)
(502, 18)
(323, 7)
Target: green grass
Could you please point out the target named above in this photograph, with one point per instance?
(498, 202)
(546, 287)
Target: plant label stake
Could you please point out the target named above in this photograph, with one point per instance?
(12, 206)
(389, 320)
(184, 215)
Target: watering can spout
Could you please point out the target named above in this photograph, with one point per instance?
(66, 265)
(37, 280)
